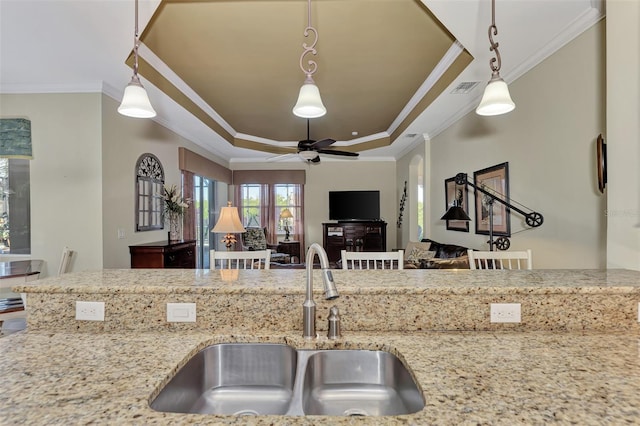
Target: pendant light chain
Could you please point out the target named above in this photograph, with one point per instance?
(136, 43)
(313, 66)
(493, 31)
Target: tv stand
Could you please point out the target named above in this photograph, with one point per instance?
(353, 236)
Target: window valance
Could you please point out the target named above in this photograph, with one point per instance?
(271, 177)
(15, 138)
(191, 162)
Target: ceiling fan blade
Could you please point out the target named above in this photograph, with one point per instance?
(279, 157)
(338, 152)
(322, 143)
(315, 160)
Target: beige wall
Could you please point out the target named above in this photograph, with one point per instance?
(124, 139)
(623, 134)
(549, 142)
(341, 175)
(406, 170)
(66, 176)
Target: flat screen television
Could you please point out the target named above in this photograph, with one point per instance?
(354, 205)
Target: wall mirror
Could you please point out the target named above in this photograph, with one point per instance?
(149, 185)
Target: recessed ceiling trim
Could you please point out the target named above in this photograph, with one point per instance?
(440, 69)
(164, 70)
(454, 70)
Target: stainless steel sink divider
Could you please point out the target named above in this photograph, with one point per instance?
(295, 406)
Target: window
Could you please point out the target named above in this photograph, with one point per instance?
(286, 197)
(204, 200)
(252, 202)
(149, 191)
(261, 205)
(15, 207)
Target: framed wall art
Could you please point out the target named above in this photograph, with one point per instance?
(494, 180)
(456, 194)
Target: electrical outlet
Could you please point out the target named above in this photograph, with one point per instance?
(181, 312)
(90, 311)
(505, 312)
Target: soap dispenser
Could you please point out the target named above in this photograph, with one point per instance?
(334, 324)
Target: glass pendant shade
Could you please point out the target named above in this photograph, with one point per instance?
(135, 102)
(496, 99)
(309, 103)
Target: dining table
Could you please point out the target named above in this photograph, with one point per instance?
(15, 272)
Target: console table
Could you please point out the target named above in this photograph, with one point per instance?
(292, 248)
(164, 254)
(353, 236)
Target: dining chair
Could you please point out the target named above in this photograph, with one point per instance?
(256, 259)
(372, 259)
(500, 259)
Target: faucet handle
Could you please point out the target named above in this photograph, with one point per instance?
(334, 324)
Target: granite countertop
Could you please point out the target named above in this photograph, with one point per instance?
(465, 377)
(574, 358)
(194, 281)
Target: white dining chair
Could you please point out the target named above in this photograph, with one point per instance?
(372, 259)
(256, 259)
(500, 259)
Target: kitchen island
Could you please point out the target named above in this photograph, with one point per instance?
(574, 357)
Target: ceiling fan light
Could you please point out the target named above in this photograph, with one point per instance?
(496, 99)
(135, 102)
(308, 155)
(309, 103)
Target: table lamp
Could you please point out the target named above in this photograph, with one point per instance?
(285, 216)
(229, 223)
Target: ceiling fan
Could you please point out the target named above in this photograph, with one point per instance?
(309, 149)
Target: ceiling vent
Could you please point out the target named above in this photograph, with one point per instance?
(464, 87)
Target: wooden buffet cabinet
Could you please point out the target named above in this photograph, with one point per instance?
(353, 236)
(164, 254)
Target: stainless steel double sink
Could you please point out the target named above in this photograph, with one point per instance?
(276, 379)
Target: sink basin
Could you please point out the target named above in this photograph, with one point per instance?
(358, 383)
(233, 378)
(276, 379)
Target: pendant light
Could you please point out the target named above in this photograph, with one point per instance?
(309, 104)
(496, 99)
(135, 102)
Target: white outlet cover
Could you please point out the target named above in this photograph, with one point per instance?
(505, 312)
(181, 312)
(89, 311)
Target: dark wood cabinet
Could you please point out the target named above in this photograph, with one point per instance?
(163, 254)
(292, 248)
(353, 236)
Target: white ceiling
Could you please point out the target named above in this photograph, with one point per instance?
(75, 46)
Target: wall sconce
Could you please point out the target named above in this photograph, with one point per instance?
(286, 217)
(533, 219)
(229, 223)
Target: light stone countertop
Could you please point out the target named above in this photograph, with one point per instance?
(194, 281)
(466, 377)
(575, 359)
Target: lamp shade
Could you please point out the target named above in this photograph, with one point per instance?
(455, 212)
(229, 221)
(496, 99)
(309, 103)
(135, 102)
(285, 214)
